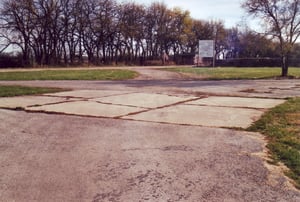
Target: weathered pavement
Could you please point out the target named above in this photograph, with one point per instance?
(161, 108)
(141, 140)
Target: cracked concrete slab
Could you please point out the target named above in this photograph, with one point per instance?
(257, 103)
(88, 108)
(145, 100)
(25, 101)
(211, 111)
(87, 93)
(211, 116)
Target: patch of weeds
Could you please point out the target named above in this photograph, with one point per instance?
(11, 91)
(281, 126)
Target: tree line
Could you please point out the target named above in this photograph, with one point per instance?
(70, 32)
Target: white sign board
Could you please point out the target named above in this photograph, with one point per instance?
(206, 48)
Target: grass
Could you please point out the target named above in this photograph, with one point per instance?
(68, 75)
(10, 91)
(231, 73)
(282, 127)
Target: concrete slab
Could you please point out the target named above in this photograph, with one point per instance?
(201, 115)
(87, 93)
(145, 100)
(25, 101)
(257, 103)
(87, 108)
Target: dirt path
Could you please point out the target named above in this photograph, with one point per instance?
(157, 74)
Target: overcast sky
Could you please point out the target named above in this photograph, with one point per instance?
(229, 11)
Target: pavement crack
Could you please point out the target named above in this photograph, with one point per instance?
(53, 103)
(183, 148)
(124, 105)
(225, 106)
(161, 107)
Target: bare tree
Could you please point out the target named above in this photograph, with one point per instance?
(104, 29)
(68, 22)
(5, 38)
(282, 20)
(16, 18)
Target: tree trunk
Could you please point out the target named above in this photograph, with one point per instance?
(284, 66)
(26, 54)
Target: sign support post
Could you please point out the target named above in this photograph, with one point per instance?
(214, 54)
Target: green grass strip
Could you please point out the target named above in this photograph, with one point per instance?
(228, 73)
(282, 127)
(10, 91)
(68, 75)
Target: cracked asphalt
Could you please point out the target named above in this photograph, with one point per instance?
(60, 157)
